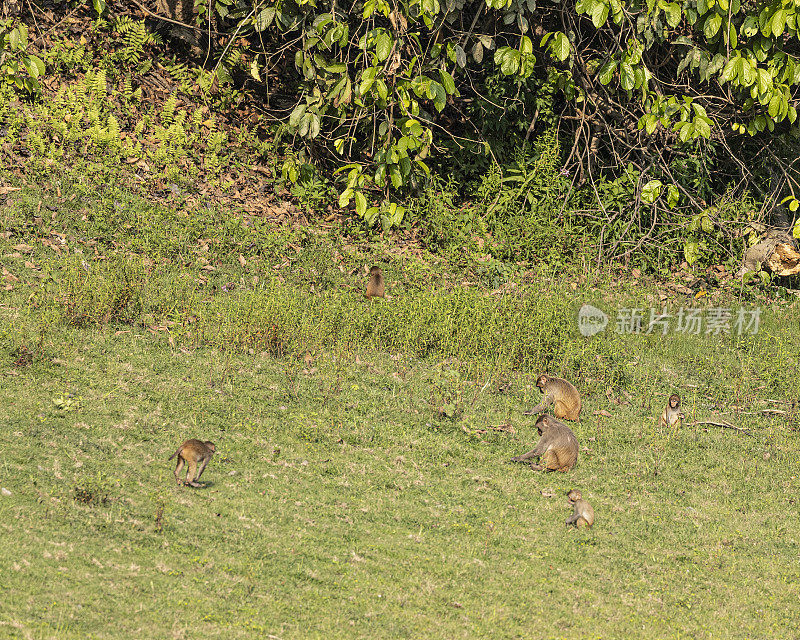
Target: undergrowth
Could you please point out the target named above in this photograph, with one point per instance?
(100, 127)
(515, 331)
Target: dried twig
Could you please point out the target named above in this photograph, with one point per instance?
(724, 425)
(173, 21)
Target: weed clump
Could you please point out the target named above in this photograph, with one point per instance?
(90, 494)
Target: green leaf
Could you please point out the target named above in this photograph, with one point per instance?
(361, 203)
(712, 25)
(673, 196)
(32, 85)
(508, 59)
(305, 124)
(297, 115)
(264, 18)
(395, 213)
(691, 252)
(673, 13)
(383, 90)
(731, 69)
(447, 82)
(405, 167)
(383, 46)
(651, 191)
(380, 175)
(337, 89)
(424, 167)
(699, 110)
(560, 46)
(774, 106)
(367, 78)
(309, 71)
(396, 176)
(764, 80)
(345, 196)
(702, 127)
(527, 62)
(599, 14)
(437, 93)
(749, 27)
(638, 77)
(626, 76)
(606, 73)
(39, 66)
(30, 65)
(706, 225)
(778, 22)
(747, 74)
(731, 34)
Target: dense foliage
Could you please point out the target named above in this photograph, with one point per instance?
(654, 117)
(682, 94)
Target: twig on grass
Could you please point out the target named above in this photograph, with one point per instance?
(724, 425)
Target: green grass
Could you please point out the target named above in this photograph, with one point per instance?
(368, 494)
(343, 504)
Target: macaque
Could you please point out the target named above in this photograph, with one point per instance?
(375, 285)
(557, 448)
(193, 452)
(672, 415)
(583, 515)
(560, 393)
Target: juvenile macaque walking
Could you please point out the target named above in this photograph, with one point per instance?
(193, 452)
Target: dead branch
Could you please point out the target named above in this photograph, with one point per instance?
(723, 425)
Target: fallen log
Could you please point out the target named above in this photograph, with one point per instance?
(777, 252)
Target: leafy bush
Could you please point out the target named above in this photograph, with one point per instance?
(17, 66)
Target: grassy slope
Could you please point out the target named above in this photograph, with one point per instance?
(341, 505)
